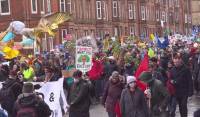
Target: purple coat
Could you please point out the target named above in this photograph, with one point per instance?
(112, 93)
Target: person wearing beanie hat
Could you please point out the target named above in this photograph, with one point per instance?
(112, 93)
(131, 79)
(133, 102)
(156, 93)
(28, 88)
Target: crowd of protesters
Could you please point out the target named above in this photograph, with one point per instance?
(169, 81)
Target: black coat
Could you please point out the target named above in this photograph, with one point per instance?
(182, 81)
(79, 99)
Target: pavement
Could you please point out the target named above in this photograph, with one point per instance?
(193, 105)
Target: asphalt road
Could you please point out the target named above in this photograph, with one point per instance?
(193, 105)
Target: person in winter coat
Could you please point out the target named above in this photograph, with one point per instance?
(196, 73)
(79, 97)
(133, 102)
(30, 104)
(156, 93)
(112, 93)
(4, 72)
(28, 72)
(182, 80)
(12, 87)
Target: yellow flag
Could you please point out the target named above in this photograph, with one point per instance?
(151, 53)
(152, 37)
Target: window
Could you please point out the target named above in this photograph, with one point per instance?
(5, 7)
(98, 6)
(147, 13)
(132, 31)
(130, 11)
(34, 6)
(186, 18)
(104, 7)
(163, 16)
(62, 6)
(176, 16)
(157, 15)
(143, 12)
(134, 12)
(69, 6)
(44, 43)
(51, 43)
(42, 6)
(115, 9)
(48, 6)
(119, 8)
(115, 31)
(64, 34)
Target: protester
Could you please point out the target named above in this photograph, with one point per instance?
(4, 72)
(171, 90)
(12, 87)
(30, 104)
(133, 102)
(157, 94)
(182, 80)
(79, 97)
(112, 93)
(27, 71)
(50, 74)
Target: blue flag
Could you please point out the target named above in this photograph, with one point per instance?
(164, 44)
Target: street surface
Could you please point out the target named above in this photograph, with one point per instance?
(193, 105)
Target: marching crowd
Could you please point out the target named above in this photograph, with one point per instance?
(134, 85)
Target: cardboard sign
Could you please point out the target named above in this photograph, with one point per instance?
(83, 58)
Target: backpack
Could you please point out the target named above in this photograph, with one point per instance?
(36, 109)
(27, 112)
(8, 98)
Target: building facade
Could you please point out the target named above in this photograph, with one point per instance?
(196, 15)
(101, 17)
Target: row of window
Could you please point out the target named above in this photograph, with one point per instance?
(101, 9)
(5, 6)
(43, 9)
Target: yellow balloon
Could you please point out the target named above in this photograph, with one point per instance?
(152, 37)
(6, 49)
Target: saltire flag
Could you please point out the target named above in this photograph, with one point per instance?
(163, 44)
(144, 66)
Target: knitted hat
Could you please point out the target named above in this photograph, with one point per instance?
(146, 77)
(130, 79)
(115, 74)
(28, 88)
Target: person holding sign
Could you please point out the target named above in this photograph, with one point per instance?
(78, 97)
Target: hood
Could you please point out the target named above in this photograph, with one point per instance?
(26, 99)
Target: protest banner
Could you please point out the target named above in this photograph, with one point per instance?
(83, 58)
